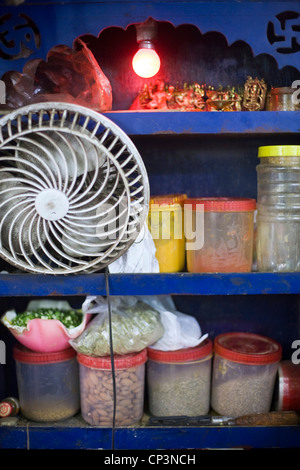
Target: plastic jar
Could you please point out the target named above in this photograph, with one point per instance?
(178, 382)
(278, 208)
(244, 372)
(165, 223)
(287, 387)
(48, 384)
(219, 234)
(96, 388)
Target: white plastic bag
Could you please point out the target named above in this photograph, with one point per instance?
(139, 258)
(181, 330)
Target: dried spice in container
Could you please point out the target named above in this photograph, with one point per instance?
(179, 381)
(244, 372)
(48, 384)
(165, 223)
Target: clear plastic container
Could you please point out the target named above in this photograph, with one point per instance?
(244, 373)
(219, 234)
(278, 208)
(178, 382)
(96, 388)
(48, 384)
(165, 223)
(277, 241)
(287, 387)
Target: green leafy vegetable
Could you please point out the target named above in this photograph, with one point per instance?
(69, 318)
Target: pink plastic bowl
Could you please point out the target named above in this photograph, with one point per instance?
(48, 335)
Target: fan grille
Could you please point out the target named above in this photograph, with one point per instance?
(74, 192)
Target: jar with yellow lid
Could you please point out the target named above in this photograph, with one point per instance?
(165, 223)
(282, 155)
(278, 208)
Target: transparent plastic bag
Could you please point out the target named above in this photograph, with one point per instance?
(135, 326)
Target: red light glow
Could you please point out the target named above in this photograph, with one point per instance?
(146, 63)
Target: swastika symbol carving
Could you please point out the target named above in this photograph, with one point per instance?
(285, 31)
(19, 37)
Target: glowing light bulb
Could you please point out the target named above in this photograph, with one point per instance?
(146, 62)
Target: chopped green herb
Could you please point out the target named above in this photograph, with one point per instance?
(69, 318)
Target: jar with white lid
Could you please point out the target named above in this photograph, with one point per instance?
(244, 372)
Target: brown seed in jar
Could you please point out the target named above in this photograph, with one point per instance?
(93, 379)
(95, 416)
(126, 382)
(124, 403)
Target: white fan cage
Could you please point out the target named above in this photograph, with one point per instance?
(74, 191)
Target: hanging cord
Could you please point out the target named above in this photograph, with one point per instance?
(111, 359)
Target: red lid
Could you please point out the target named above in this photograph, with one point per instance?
(247, 348)
(182, 355)
(222, 204)
(120, 361)
(22, 354)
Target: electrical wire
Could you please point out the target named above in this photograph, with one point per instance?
(111, 359)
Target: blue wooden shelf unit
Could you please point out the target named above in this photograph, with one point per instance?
(196, 153)
(16, 285)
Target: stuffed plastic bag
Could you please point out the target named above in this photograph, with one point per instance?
(135, 326)
(181, 330)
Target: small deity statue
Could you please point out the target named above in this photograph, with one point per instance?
(160, 97)
(185, 100)
(254, 94)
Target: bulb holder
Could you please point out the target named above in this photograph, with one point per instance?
(146, 31)
(146, 44)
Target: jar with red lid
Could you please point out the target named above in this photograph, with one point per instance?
(48, 384)
(287, 387)
(244, 372)
(219, 234)
(178, 382)
(97, 391)
(166, 225)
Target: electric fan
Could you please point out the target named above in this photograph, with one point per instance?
(74, 192)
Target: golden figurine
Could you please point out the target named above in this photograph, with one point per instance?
(254, 94)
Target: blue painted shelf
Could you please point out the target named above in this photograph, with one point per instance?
(75, 434)
(150, 284)
(206, 122)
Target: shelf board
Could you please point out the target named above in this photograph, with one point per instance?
(149, 284)
(74, 433)
(189, 122)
